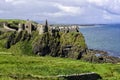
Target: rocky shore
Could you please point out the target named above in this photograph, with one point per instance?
(99, 56)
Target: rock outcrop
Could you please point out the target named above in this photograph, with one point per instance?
(99, 56)
(60, 45)
(14, 37)
(85, 76)
(57, 44)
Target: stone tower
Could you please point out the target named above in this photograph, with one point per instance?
(28, 26)
(20, 27)
(40, 28)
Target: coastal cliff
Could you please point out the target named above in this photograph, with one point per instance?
(70, 45)
(56, 42)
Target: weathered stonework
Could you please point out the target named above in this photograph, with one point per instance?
(20, 27)
(65, 28)
(29, 26)
(7, 27)
(40, 28)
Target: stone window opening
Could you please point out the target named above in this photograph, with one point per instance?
(26, 26)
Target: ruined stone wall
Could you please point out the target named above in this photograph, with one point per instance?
(28, 27)
(65, 28)
(20, 27)
(7, 27)
(40, 28)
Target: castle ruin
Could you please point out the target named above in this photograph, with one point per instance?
(29, 26)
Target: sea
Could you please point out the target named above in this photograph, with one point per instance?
(103, 37)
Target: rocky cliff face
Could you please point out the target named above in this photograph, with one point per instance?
(70, 45)
(57, 44)
(15, 37)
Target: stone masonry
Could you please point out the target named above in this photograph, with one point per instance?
(29, 27)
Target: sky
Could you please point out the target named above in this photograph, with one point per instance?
(62, 11)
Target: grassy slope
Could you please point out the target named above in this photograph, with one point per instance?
(11, 20)
(73, 38)
(21, 66)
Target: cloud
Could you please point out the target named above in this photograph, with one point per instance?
(9, 0)
(62, 11)
(1, 11)
(67, 10)
(107, 17)
(112, 7)
(15, 2)
(91, 11)
(98, 2)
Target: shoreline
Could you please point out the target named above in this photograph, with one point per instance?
(109, 53)
(100, 56)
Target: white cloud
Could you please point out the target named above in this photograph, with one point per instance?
(63, 10)
(107, 17)
(55, 14)
(81, 10)
(112, 7)
(67, 10)
(98, 2)
(9, 0)
(15, 2)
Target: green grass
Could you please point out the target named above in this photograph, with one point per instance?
(74, 38)
(12, 20)
(12, 66)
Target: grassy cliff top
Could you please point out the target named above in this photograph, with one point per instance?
(13, 22)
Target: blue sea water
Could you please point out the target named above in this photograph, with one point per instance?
(103, 37)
